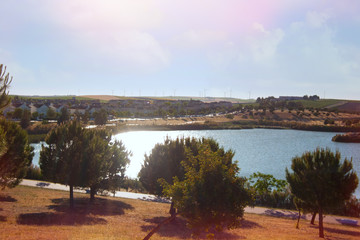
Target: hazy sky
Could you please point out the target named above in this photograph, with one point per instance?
(182, 47)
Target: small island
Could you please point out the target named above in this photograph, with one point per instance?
(352, 137)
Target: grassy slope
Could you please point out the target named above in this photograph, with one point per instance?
(34, 213)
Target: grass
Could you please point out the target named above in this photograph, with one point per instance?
(55, 97)
(35, 213)
(322, 103)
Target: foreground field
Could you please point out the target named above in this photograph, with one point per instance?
(33, 213)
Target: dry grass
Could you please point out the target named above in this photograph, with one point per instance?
(33, 213)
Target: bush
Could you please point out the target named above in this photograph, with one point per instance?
(230, 116)
(33, 172)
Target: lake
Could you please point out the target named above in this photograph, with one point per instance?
(265, 150)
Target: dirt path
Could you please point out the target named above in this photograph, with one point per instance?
(256, 210)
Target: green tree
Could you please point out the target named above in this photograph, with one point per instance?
(117, 160)
(212, 193)
(320, 179)
(86, 117)
(5, 81)
(104, 162)
(60, 159)
(100, 117)
(18, 112)
(25, 119)
(81, 157)
(51, 114)
(34, 115)
(265, 183)
(269, 191)
(64, 115)
(15, 153)
(163, 162)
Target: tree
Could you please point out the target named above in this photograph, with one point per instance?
(86, 117)
(18, 112)
(165, 159)
(118, 159)
(100, 117)
(81, 157)
(5, 81)
(64, 115)
(25, 119)
(269, 191)
(321, 180)
(60, 160)
(163, 162)
(211, 193)
(104, 162)
(50, 113)
(15, 153)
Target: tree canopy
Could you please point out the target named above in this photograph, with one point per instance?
(104, 162)
(81, 157)
(165, 160)
(211, 192)
(5, 81)
(100, 117)
(319, 179)
(15, 153)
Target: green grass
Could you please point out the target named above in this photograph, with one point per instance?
(322, 103)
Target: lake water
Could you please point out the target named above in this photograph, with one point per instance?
(265, 150)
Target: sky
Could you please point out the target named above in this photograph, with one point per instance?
(230, 48)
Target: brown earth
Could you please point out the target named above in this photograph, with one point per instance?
(305, 117)
(33, 213)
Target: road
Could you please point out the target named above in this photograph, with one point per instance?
(147, 197)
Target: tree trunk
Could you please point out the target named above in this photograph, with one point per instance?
(313, 218)
(71, 196)
(298, 221)
(92, 193)
(172, 209)
(321, 227)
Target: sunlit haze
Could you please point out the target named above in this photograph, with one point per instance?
(230, 48)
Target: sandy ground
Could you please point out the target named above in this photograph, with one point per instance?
(148, 197)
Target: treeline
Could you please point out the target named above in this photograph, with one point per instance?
(80, 157)
(198, 176)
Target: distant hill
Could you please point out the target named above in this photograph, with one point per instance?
(203, 99)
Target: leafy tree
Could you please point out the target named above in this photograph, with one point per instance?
(117, 160)
(86, 117)
(64, 115)
(269, 191)
(15, 153)
(5, 81)
(34, 115)
(104, 162)
(163, 162)
(81, 157)
(211, 193)
(265, 183)
(25, 119)
(18, 112)
(51, 114)
(60, 160)
(100, 117)
(320, 179)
